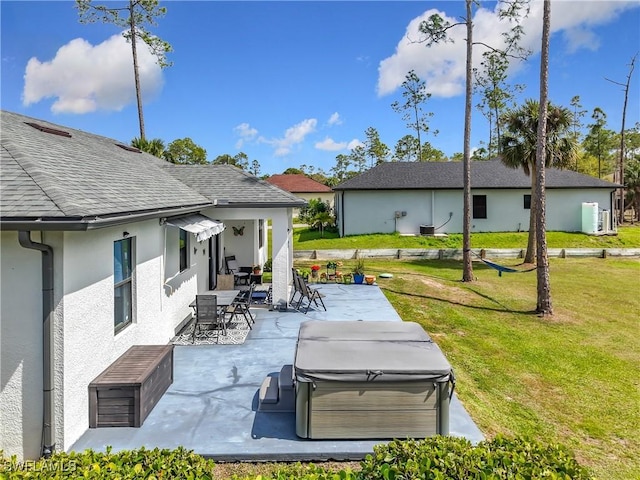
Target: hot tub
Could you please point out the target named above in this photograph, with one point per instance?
(381, 380)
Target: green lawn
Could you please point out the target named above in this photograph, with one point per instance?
(572, 378)
(308, 239)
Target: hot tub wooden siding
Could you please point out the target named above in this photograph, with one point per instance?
(372, 410)
(126, 392)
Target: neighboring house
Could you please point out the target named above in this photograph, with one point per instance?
(103, 247)
(303, 187)
(412, 198)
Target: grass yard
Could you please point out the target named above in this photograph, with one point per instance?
(574, 378)
(310, 239)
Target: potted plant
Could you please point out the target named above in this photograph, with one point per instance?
(314, 271)
(256, 269)
(305, 272)
(358, 271)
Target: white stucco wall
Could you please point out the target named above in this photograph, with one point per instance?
(246, 249)
(90, 342)
(374, 211)
(21, 334)
(84, 322)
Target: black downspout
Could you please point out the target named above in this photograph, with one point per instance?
(48, 436)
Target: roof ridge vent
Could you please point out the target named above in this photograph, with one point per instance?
(129, 148)
(53, 131)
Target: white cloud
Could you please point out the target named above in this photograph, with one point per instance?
(335, 119)
(245, 132)
(442, 66)
(292, 136)
(84, 78)
(330, 145)
(354, 143)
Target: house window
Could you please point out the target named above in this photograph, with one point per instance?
(122, 282)
(479, 206)
(184, 250)
(527, 202)
(261, 233)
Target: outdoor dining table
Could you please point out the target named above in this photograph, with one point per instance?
(224, 298)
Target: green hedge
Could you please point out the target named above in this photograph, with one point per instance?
(440, 458)
(140, 463)
(456, 458)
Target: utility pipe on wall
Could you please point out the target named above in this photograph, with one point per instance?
(48, 434)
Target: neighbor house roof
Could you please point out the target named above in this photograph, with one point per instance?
(491, 174)
(63, 178)
(298, 183)
(227, 185)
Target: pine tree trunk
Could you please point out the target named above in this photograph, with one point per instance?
(136, 73)
(467, 275)
(544, 306)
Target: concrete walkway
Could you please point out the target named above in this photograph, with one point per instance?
(211, 407)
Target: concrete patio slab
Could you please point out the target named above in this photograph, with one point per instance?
(212, 405)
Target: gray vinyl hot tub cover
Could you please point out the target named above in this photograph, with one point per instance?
(353, 351)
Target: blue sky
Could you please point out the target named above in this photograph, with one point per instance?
(296, 83)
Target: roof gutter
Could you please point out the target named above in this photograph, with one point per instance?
(261, 205)
(91, 223)
(48, 433)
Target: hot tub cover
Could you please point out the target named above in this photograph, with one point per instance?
(353, 351)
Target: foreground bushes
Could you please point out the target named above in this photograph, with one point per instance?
(440, 458)
(141, 463)
(457, 458)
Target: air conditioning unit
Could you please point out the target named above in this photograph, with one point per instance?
(606, 221)
(427, 230)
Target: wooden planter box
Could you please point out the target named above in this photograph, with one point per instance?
(126, 392)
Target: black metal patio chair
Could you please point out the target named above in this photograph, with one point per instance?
(208, 316)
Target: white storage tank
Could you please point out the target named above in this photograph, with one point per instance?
(590, 217)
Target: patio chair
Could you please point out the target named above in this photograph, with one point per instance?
(296, 288)
(311, 294)
(207, 315)
(239, 276)
(241, 306)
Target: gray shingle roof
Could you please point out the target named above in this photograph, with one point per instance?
(227, 183)
(449, 175)
(84, 175)
(87, 176)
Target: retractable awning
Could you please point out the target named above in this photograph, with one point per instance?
(202, 227)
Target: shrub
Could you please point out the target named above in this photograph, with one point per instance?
(140, 463)
(268, 265)
(454, 458)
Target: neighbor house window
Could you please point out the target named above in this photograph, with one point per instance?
(479, 206)
(527, 202)
(184, 250)
(122, 282)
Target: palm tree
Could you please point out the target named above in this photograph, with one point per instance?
(519, 149)
(155, 147)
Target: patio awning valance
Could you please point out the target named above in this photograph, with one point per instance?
(202, 227)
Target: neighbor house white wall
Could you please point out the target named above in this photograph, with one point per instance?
(323, 196)
(374, 211)
(564, 207)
